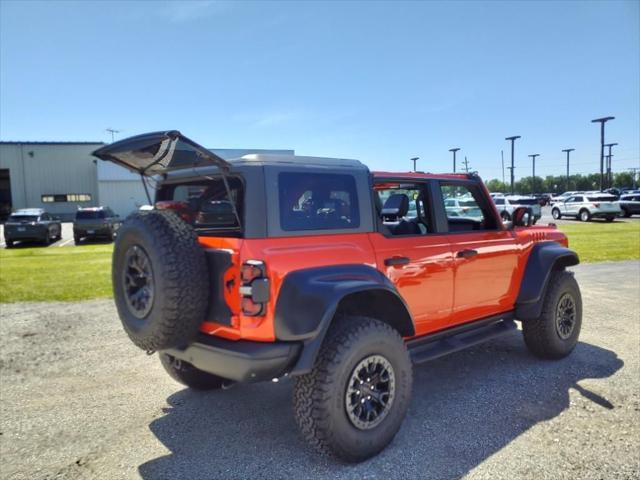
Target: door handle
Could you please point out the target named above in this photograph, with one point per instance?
(396, 260)
(467, 253)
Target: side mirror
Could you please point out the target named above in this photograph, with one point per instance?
(522, 217)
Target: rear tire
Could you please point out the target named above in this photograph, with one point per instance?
(555, 213)
(610, 219)
(9, 243)
(340, 409)
(555, 333)
(76, 240)
(626, 213)
(186, 374)
(584, 215)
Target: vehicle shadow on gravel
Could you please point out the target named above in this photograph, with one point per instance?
(465, 408)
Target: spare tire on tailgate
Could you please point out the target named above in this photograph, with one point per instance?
(160, 280)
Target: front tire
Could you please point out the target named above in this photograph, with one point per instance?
(555, 333)
(555, 213)
(186, 374)
(9, 243)
(626, 213)
(353, 402)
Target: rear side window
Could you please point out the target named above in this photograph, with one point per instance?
(498, 201)
(602, 198)
(526, 201)
(317, 201)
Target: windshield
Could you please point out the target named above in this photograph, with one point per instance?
(23, 218)
(90, 214)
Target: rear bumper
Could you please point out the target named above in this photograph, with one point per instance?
(13, 234)
(604, 214)
(242, 360)
(95, 232)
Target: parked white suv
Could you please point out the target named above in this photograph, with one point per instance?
(506, 206)
(585, 207)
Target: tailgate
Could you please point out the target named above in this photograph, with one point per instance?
(159, 152)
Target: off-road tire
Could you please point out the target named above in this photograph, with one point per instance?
(584, 215)
(178, 276)
(555, 213)
(186, 374)
(319, 396)
(541, 335)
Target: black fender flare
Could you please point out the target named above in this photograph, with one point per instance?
(309, 299)
(545, 257)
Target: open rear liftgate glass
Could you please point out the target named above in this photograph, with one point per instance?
(158, 153)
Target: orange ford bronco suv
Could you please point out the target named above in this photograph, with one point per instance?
(316, 268)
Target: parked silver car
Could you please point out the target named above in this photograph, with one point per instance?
(585, 207)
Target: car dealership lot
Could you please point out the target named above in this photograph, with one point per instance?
(79, 401)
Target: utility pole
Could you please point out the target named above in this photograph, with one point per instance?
(568, 150)
(502, 156)
(112, 132)
(602, 121)
(414, 160)
(466, 164)
(609, 173)
(512, 139)
(454, 150)
(533, 180)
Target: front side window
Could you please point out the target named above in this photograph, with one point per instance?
(317, 201)
(466, 209)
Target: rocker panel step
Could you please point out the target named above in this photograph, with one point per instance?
(425, 351)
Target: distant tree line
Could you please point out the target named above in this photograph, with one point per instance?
(558, 183)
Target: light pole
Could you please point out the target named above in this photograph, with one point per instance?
(602, 121)
(533, 180)
(454, 150)
(414, 160)
(609, 173)
(568, 150)
(512, 139)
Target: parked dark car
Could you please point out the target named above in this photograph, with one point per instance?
(95, 222)
(32, 224)
(630, 205)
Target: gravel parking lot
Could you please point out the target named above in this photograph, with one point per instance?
(79, 401)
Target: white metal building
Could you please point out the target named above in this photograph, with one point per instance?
(62, 176)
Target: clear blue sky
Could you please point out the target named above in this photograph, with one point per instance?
(377, 81)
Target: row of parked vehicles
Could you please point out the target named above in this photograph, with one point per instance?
(595, 204)
(38, 225)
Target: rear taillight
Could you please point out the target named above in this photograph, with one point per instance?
(254, 288)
